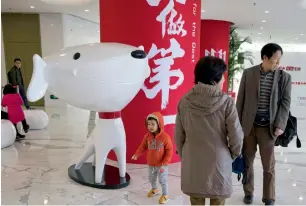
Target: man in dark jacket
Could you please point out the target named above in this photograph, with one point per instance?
(15, 78)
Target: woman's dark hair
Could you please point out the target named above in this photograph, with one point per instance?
(209, 70)
(9, 89)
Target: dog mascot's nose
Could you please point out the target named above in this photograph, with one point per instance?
(139, 54)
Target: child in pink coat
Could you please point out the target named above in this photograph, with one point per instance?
(13, 101)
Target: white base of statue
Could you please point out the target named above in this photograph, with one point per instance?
(8, 133)
(36, 119)
(109, 134)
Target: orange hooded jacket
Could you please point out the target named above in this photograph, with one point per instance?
(158, 148)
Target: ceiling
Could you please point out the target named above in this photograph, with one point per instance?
(91, 7)
(284, 19)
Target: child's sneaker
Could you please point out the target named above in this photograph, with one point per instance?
(163, 199)
(153, 192)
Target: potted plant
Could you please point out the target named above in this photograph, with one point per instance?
(237, 57)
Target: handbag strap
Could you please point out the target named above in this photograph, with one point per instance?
(298, 142)
(280, 92)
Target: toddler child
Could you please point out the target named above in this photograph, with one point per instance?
(13, 101)
(158, 145)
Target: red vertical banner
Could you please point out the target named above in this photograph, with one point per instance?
(169, 30)
(215, 36)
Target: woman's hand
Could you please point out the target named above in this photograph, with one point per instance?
(134, 157)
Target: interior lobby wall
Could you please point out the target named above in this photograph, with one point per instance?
(64, 30)
(3, 65)
(52, 40)
(79, 31)
(21, 38)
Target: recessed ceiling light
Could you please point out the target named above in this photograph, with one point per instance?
(263, 21)
(267, 12)
(32, 7)
(295, 38)
(261, 27)
(203, 10)
(86, 10)
(259, 33)
(258, 37)
(52, 25)
(302, 34)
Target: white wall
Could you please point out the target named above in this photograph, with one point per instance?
(63, 30)
(3, 66)
(79, 31)
(52, 40)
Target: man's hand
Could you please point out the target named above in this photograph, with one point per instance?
(278, 132)
(134, 157)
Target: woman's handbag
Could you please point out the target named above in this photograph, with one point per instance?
(239, 168)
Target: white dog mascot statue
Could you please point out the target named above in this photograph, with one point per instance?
(102, 77)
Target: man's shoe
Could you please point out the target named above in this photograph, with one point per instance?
(248, 199)
(269, 202)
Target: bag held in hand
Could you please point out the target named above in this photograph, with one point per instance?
(291, 127)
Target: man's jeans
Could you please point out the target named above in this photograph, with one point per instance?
(24, 97)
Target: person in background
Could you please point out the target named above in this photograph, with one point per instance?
(13, 101)
(262, 119)
(208, 135)
(157, 143)
(15, 78)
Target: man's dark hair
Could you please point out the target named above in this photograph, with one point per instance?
(209, 70)
(17, 59)
(269, 49)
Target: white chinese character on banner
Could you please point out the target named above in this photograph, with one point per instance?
(169, 119)
(220, 54)
(163, 72)
(175, 27)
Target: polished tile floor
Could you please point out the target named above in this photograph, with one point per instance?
(34, 171)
